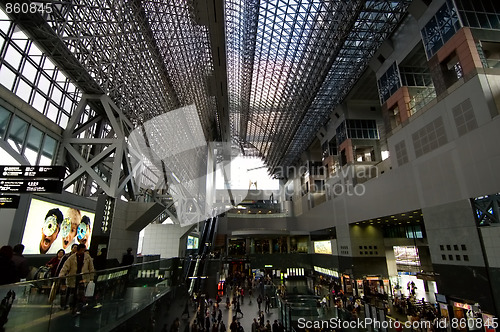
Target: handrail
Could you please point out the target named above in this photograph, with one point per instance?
(119, 294)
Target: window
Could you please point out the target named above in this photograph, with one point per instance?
(33, 145)
(48, 150)
(17, 133)
(440, 28)
(464, 247)
(389, 83)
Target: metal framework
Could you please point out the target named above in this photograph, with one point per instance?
(274, 70)
(291, 62)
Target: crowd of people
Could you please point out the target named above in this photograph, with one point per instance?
(76, 268)
(238, 289)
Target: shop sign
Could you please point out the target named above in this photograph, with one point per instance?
(462, 305)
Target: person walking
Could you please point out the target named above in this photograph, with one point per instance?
(80, 269)
(238, 309)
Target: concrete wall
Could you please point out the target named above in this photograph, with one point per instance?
(162, 240)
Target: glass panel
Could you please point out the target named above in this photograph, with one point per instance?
(33, 145)
(48, 150)
(17, 133)
(39, 102)
(52, 113)
(23, 90)
(4, 22)
(29, 71)
(4, 120)
(7, 77)
(13, 57)
(44, 84)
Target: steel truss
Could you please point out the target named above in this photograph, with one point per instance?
(291, 62)
(486, 209)
(102, 158)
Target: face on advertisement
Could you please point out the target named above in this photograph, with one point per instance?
(50, 229)
(83, 231)
(69, 226)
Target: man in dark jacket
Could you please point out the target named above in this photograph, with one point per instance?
(20, 262)
(128, 258)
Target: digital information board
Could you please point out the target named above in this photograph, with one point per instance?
(43, 172)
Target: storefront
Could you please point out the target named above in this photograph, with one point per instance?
(466, 315)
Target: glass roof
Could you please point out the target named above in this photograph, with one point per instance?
(286, 63)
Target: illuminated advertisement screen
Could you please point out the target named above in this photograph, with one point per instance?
(51, 226)
(192, 242)
(323, 247)
(406, 255)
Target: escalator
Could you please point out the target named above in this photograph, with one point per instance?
(199, 266)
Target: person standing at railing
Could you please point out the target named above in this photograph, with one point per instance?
(54, 262)
(128, 258)
(20, 262)
(80, 269)
(7, 266)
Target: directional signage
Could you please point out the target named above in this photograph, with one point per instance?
(23, 172)
(31, 186)
(9, 201)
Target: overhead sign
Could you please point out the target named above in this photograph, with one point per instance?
(30, 186)
(22, 172)
(9, 201)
